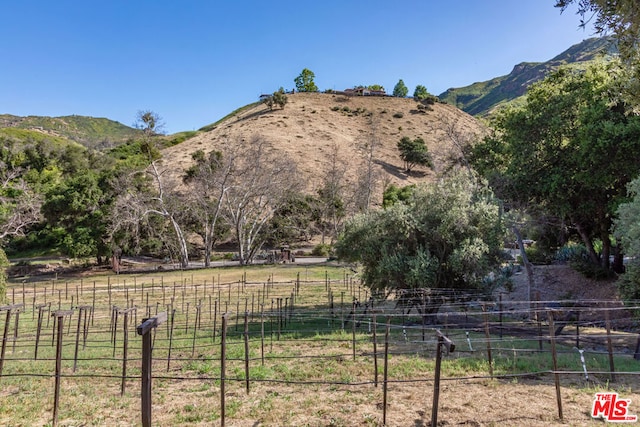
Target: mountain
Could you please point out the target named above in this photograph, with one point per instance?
(314, 126)
(481, 98)
(91, 132)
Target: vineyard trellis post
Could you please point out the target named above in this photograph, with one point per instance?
(125, 347)
(8, 309)
(443, 341)
(144, 329)
(59, 316)
(554, 356)
(612, 369)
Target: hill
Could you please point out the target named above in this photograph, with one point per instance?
(481, 98)
(91, 132)
(313, 126)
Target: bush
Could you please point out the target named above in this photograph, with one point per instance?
(538, 256)
(321, 249)
(398, 115)
(571, 253)
(629, 283)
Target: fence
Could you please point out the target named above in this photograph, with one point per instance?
(319, 335)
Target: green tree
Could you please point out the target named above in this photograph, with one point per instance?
(278, 98)
(393, 195)
(420, 93)
(627, 231)
(568, 152)
(414, 152)
(447, 235)
(304, 82)
(77, 209)
(400, 89)
(622, 17)
(293, 220)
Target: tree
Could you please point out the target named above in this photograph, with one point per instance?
(260, 182)
(154, 194)
(622, 18)
(278, 98)
(420, 93)
(568, 152)
(208, 180)
(414, 152)
(149, 122)
(400, 89)
(447, 235)
(292, 221)
(304, 82)
(331, 196)
(77, 208)
(19, 202)
(368, 176)
(627, 232)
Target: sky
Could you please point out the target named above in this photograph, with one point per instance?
(194, 61)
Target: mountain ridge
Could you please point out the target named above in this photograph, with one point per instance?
(482, 98)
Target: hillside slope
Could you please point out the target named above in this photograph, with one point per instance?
(481, 98)
(92, 132)
(312, 126)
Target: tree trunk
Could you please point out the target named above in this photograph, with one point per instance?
(588, 243)
(182, 243)
(527, 266)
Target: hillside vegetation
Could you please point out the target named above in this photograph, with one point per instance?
(317, 129)
(92, 132)
(481, 98)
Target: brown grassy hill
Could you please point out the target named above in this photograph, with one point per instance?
(314, 126)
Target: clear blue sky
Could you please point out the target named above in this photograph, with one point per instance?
(194, 61)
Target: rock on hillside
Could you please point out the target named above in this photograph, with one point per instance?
(313, 126)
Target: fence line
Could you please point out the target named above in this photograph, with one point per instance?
(283, 318)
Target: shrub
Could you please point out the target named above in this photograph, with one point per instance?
(629, 283)
(571, 253)
(538, 256)
(321, 249)
(398, 115)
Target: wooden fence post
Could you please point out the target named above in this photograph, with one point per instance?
(125, 348)
(144, 329)
(443, 341)
(8, 309)
(385, 374)
(60, 314)
(246, 349)
(612, 369)
(375, 352)
(223, 355)
(39, 329)
(488, 337)
(552, 335)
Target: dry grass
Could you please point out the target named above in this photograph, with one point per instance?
(309, 127)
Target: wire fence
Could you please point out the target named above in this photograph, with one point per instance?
(291, 332)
